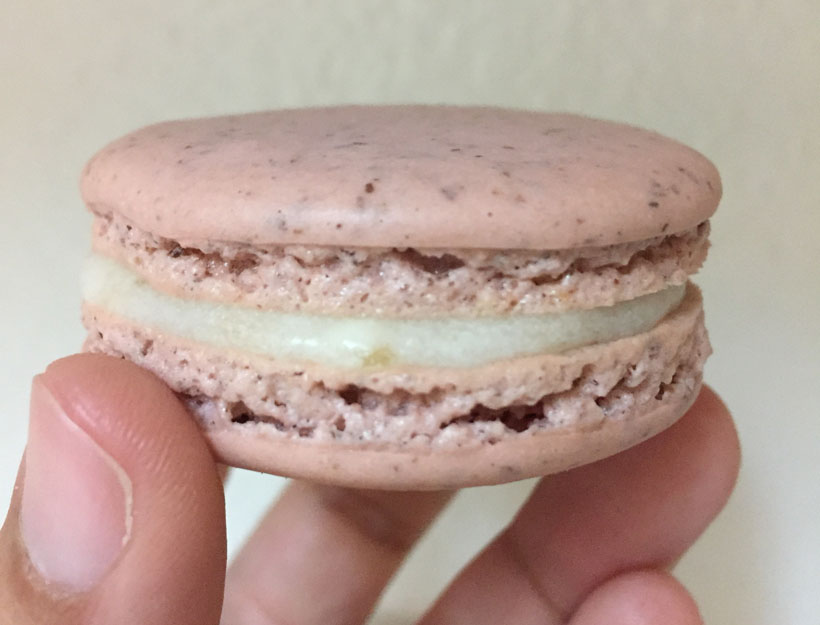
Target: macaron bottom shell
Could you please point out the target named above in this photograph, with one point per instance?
(480, 464)
(417, 428)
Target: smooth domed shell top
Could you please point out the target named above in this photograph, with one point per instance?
(403, 176)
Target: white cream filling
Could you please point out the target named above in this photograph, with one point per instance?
(366, 341)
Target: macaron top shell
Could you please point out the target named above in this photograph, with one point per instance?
(403, 176)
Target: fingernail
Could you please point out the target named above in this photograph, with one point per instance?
(75, 513)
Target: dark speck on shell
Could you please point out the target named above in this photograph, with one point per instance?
(450, 192)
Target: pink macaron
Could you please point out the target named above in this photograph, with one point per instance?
(405, 297)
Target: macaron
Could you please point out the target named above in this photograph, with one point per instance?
(405, 297)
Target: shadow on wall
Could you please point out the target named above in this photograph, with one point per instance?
(742, 535)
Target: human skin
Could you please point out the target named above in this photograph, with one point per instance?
(592, 545)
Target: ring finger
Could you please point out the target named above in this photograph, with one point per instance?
(324, 554)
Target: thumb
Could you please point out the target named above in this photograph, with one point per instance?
(118, 511)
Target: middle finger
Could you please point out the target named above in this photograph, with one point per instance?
(639, 509)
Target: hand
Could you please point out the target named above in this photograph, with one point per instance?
(118, 517)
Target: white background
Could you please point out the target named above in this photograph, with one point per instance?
(738, 80)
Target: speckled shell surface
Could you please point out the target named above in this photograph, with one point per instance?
(403, 176)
